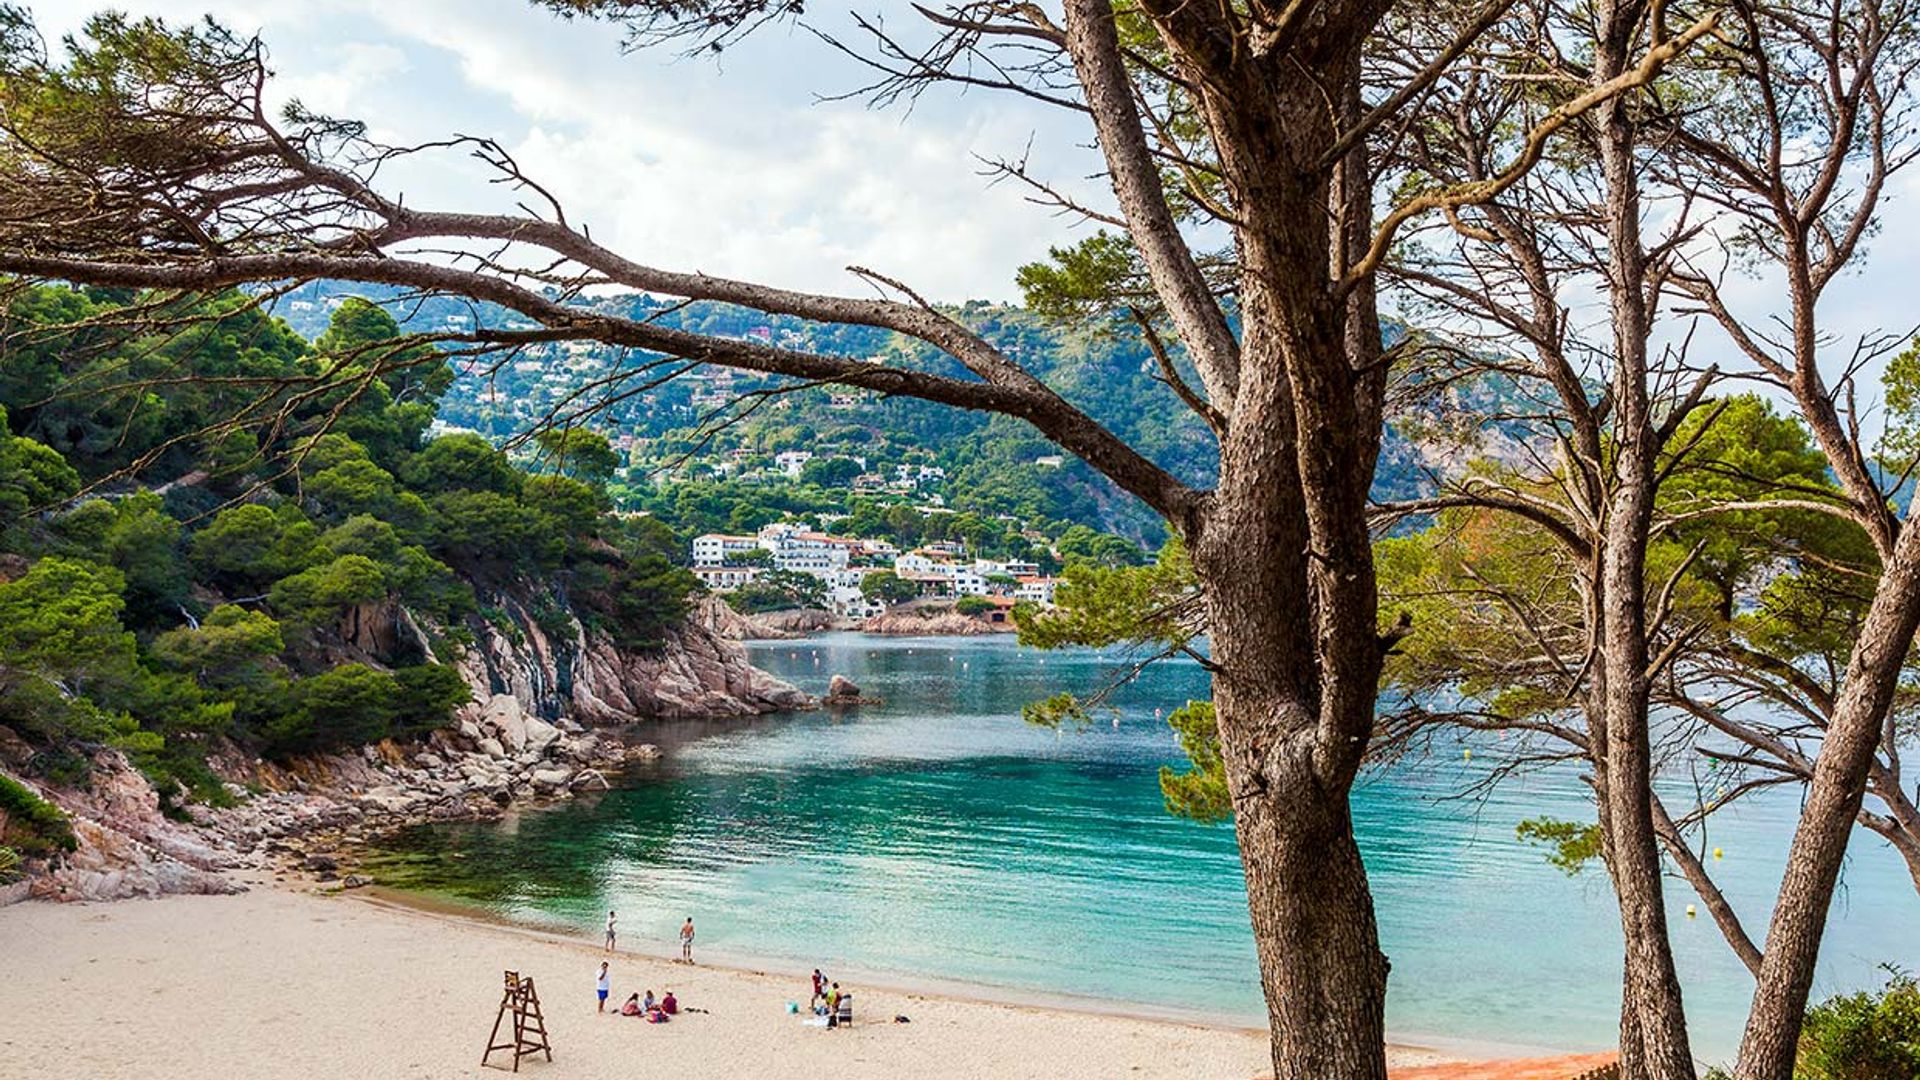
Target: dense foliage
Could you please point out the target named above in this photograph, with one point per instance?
(184, 560)
(30, 825)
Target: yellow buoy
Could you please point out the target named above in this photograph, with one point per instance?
(1717, 853)
(1690, 912)
(1466, 755)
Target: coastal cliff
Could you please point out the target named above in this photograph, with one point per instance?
(544, 693)
(556, 668)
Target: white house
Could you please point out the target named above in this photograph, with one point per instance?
(968, 581)
(726, 578)
(716, 549)
(792, 461)
(1038, 590)
(913, 562)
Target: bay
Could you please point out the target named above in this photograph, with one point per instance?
(938, 839)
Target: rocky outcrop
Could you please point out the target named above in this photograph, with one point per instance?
(843, 692)
(716, 617)
(128, 848)
(913, 622)
(526, 736)
(722, 621)
(568, 672)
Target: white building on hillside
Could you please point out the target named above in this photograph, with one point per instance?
(726, 578)
(792, 461)
(716, 549)
(1038, 590)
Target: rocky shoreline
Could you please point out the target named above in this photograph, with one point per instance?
(307, 815)
(726, 623)
(551, 717)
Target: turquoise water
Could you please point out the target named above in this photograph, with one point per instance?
(939, 838)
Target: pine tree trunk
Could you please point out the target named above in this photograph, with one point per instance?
(1653, 1023)
(1827, 818)
(1320, 961)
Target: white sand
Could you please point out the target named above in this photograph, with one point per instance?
(278, 984)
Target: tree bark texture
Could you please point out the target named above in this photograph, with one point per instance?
(1833, 802)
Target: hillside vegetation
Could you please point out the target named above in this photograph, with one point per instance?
(170, 579)
(1001, 477)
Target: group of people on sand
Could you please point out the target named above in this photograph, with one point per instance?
(830, 1001)
(686, 936)
(653, 1010)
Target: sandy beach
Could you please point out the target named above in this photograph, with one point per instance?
(275, 984)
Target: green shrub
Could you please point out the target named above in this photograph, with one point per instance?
(973, 605)
(9, 865)
(1864, 1036)
(34, 826)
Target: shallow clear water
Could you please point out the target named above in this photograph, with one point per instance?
(939, 837)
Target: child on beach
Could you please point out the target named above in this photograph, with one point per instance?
(603, 985)
(686, 941)
(632, 1007)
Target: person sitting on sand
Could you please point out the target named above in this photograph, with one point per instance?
(602, 985)
(649, 1002)
(632, 1007)
(669, 1004)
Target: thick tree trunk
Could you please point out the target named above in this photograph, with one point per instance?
(1321, 966)
(1827, 818)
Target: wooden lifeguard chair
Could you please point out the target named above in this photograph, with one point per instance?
(529, 1027)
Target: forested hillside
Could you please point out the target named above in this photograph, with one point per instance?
(170, 577)
(683, 429)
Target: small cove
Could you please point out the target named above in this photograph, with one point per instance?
(938, 840)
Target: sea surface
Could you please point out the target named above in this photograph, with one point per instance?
(937, 840)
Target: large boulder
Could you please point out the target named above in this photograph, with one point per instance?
(503, 717)
(539, 734)
(842, 688)
(549, 780)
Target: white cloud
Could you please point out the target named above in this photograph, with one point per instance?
(731, 167)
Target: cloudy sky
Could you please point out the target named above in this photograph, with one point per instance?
(737, 166)
(731, 165)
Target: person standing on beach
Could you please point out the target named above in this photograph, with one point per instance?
(609, 931)
(819, 989)
(686, 941)
(604, 984)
